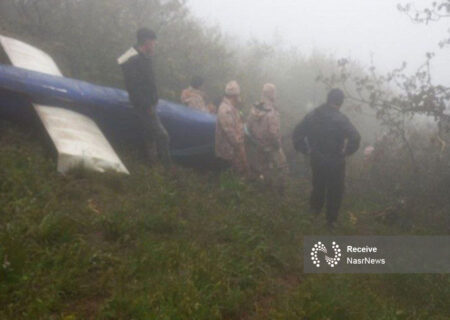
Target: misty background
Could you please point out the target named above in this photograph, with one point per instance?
(297, 45)
(206, 244)
(367, 31)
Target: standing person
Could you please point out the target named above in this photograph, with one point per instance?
(139, 79)
(328, 137)
(193, 96)
(263, 128)
(230, 139)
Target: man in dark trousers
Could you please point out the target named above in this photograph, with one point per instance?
(327, 136)
(139, 79)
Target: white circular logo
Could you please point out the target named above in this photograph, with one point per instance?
(319, 246)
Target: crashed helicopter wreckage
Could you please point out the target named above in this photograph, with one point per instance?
(80, 117)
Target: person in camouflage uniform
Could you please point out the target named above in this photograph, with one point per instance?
(266, 154)
(230, 139)
(193, 96)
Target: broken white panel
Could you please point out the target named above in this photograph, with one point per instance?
(78, 140)
(24, 56)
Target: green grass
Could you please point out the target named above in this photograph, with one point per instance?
(188, 245)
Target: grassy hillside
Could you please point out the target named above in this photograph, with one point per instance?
(188, 245)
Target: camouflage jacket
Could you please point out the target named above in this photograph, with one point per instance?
(194, 98)
(229, 132)
(263, 126)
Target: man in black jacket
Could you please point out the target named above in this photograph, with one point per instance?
(327, 136)
(139, 79)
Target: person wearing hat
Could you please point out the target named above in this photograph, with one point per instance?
(327, 136)
(266, 155)
(139, 79)
(230, 137)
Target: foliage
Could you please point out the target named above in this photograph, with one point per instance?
(185, 246)
(436, 11)
(86, 37)
(412, 108)
(197, 245)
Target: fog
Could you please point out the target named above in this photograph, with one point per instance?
(365, 30)
(232, 234)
